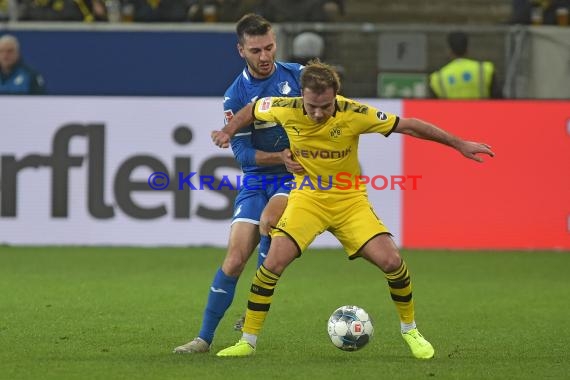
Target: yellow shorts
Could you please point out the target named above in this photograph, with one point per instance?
(348, 216)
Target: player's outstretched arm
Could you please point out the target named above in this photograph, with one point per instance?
(240, 120)
(426, 131)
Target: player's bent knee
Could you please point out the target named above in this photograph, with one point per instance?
(387, 260)
(276, 267)
(264, 227)
(266, 222)
(234, 264)
(272, 219)
(391, 263)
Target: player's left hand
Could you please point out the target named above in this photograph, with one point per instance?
(470, 150)
(221, 139)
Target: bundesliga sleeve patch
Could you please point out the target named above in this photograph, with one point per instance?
(264, 105)
(381, 115)
(228, 115)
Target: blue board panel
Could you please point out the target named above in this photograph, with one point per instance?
(133, 62)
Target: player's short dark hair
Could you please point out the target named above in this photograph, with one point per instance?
(458, 42)
(253, 25)
(318, 76)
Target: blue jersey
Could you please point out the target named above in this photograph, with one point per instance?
(21, 81)
(267, 137)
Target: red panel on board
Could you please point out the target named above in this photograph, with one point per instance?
(519, 199)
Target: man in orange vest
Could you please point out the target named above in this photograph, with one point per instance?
(464, 78)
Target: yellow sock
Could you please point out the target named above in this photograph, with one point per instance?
(259, 301)
(401, 292)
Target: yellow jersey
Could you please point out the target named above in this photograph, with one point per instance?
(463, 79)
(329, 150)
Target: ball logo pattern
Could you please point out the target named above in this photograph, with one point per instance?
(350, 328)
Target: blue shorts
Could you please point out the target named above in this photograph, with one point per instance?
(252, 199)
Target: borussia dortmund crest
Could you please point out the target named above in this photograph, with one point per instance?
(335, 132)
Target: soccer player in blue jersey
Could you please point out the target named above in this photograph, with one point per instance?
(258, 149)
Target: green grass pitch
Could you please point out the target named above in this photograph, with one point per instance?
(117, 313)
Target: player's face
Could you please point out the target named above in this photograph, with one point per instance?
(259, 54)
(319, 107)
(8, 55)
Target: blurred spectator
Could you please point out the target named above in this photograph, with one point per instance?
(62, 10)
(15, 76)
(158, 10)
(520, 12)
(98, 9)
(306, 46)
(205, 10)
(538, 12)
(464, 78)
(4, 10)
(233, 10)
(333, 10)
(221, 10)
(302, 10)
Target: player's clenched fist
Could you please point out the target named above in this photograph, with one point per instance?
(221, 139)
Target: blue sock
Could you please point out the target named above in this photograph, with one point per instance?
(264, 244)
(219, 300)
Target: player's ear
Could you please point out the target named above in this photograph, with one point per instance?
(240, 50)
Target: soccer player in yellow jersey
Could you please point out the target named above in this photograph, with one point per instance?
(324, 129)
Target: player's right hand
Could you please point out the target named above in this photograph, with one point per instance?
(220, 139)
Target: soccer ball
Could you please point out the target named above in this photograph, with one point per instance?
(350, 328)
